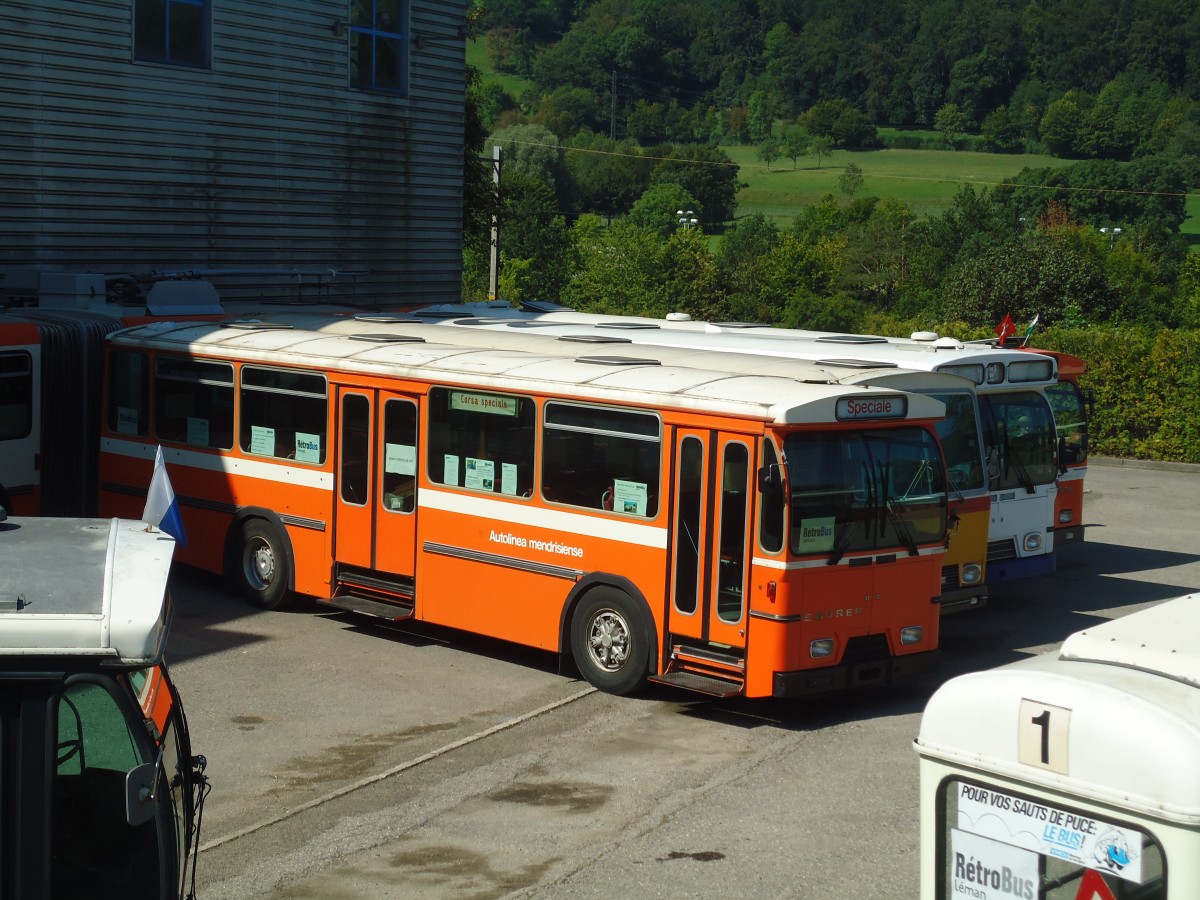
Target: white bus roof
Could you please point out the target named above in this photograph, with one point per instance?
(631, 376)
(1020, 369)
(1131, 688)
(568, 340)
(83, 588)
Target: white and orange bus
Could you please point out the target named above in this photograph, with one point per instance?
(727, 533)
(963, 584)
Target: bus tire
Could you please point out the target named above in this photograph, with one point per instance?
(260, 564)
(609, 642)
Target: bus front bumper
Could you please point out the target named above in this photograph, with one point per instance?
(855, 676)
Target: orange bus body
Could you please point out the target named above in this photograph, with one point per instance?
(641, 518)
(1070, 406)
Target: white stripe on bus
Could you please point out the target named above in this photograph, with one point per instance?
(505, 514)
(282, 471)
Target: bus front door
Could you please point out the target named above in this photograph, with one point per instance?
(375, 529)
(709, 565)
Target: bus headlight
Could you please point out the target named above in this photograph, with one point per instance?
(821, 648)
(911, 635)
(1032, 541)
(972, 573)
(1065, 516)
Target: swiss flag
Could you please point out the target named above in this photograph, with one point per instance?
(1006, 327)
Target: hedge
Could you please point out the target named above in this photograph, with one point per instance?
(1147, 386)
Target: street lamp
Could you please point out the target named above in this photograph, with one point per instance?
(1112, 235)
(687, 218)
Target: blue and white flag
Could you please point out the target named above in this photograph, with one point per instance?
(162, 509)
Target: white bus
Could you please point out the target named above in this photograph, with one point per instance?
(1001, 454)
(1074, 774)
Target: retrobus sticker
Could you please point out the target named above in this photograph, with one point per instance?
(400, 459)
(308, 447)
(197, 431)
(1070, 836)
(508, 479)
(629, 497)
(127, 420)
(262, 440)
(481, 474)
(980, 866)
(816, 534)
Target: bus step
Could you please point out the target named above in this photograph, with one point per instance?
(702, 684)
(377, 608)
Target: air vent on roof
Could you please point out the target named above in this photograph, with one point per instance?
(256, 325)
(741, 324)
(617, 361)
(628, 326)
(856, 364)
(445, 314)
(387, 318)
(388, 338)
(595, 339)
(852, 339)
(545, 306)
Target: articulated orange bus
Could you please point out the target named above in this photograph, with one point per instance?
(726, 533)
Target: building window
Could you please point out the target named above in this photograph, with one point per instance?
(378, 42)
(171, 31)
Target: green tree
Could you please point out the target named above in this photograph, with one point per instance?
(795, 145)
(534, 242)
(850, 182)
(657, 210)
(1001, 132)
(768, 152)
(607, 176)
(1060, 125)
(821, 147)
(760, 116)
(707, 174)
(951, 122)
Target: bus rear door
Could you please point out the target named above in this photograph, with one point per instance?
(375, 533)
(706, 617)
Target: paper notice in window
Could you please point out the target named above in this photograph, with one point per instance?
(197, 431)
(400, 459)
(508, 479)
(262, 440)
(481, 474)
(629, 497)
(450, 468)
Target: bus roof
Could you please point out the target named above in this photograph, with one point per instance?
(570, 341)
(1130, 687)
(1016, 368)
(83, 588)
(628, 377)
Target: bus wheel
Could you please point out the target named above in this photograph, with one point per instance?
(610, 646)
(259, 568)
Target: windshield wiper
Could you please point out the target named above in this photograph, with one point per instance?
(843, 541)
(1013, 458)
(901, 528)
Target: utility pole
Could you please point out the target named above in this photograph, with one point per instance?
(612, 122)
(494, 263)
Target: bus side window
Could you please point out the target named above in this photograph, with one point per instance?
(96, 851)
(481, 442)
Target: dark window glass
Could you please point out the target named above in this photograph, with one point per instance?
(687, 525)
(1020, 437)
(602, 458)
(16, 395)
(378, 45)
(171, 31)
(193, 402)
(356, 447)
(284, 414)
(128, 393)
(731, 542)
(481, 441)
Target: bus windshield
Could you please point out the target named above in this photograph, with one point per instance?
(959, 433)
(1020, 437)
(864, 491)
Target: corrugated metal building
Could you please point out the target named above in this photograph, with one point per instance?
(243, 135)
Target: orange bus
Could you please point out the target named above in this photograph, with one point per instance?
(640, 518)
(1071, 404)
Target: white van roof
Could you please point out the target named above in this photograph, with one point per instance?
(83, 588)
(1130, 687)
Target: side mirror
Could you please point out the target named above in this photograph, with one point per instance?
(769, 479)
(139, 793)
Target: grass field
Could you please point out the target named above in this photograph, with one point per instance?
(926, 180)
